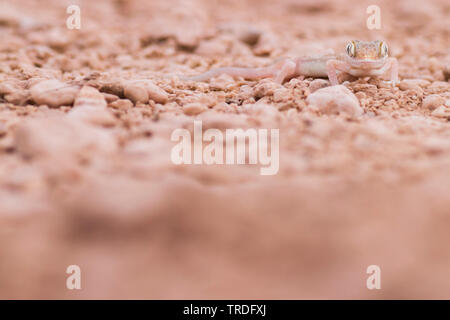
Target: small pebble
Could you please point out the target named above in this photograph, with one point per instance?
(334, 100)
(110, 97)
(433, 101)
(434, 64)
(53, 93)
(17, 98)
(441, 112)
(89, 96)
(121, 104)
(136, 92)
(440, 85)
(264, 88)
(413, 83)
(281, 94)
(250, 36)
(6, 88)
(155, 93)
(93, 115)
(223, 82)
(192, 109)
(212, 48)
(317, 84)
(115, 88)
(61, 139)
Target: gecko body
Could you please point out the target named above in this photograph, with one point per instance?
(361, 59)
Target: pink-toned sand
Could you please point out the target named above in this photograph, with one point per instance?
(95, 187)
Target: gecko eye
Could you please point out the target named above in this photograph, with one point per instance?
(383, 49)
(350, 48)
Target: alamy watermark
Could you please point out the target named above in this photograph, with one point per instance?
(73, 281)
(374, 280)
(240, 146)
(374, 19)
(74, 20)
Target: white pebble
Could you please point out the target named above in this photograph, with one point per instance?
(53, 93)
(155, 93)
(441, 112)
(280, 94)
(152, 91)
(407, 84)
(136, 92)
(121, 104)
(433, 101)
(192, 109)
(317, 84)
(89, 96)
(93, 115)
(334, 100)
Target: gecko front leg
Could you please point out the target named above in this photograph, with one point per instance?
(333, 66)
(392, 66)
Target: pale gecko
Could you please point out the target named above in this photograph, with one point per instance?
(362, 59)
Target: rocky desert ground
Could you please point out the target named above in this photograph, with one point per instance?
(86, 176)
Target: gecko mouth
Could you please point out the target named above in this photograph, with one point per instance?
(366, 62)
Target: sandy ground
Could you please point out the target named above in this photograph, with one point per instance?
(95, 186)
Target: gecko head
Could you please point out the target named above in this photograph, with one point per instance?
(369, 54)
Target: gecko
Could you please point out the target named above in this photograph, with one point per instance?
(361, 59)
